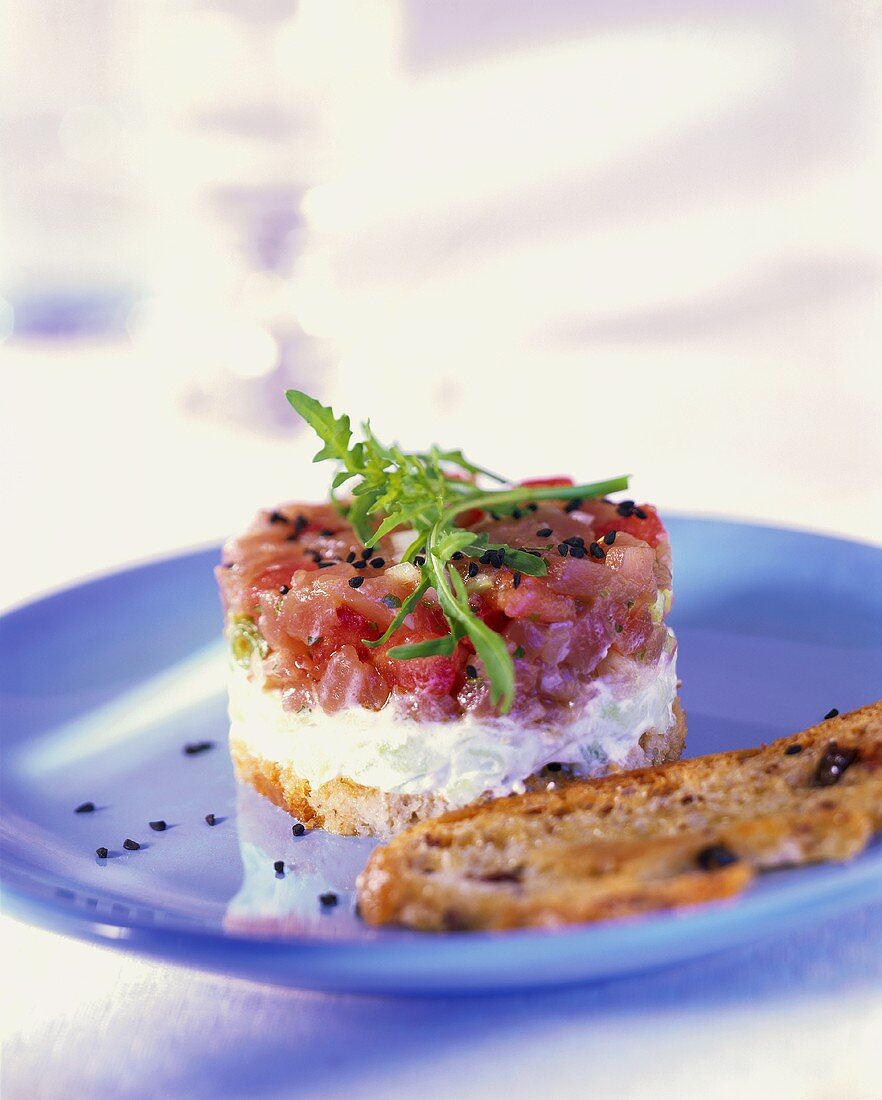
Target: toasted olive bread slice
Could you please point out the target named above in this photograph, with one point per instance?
(636, 841)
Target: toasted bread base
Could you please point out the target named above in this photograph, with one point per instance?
(351, 809)
(629, 843)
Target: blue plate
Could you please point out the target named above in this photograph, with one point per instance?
(102, 686)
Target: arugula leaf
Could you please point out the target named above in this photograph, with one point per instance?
(434, 647)
(426, 492)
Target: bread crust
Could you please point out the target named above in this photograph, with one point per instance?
(625, 844)
(351, 809)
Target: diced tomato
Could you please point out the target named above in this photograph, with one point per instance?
(651, 530)
(545, 482)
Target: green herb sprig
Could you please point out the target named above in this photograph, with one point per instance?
(426, 492)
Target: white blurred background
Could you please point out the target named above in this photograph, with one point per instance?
(573, 237)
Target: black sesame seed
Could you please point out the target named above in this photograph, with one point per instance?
(419, 561)
(326, 564)
(391, 601)
(498, 558)
(315, 555)
(520, 651)
(834, 713)
(577, 551)
(279, 867)
(85, 808)
(531, 507)
(553, 767)
(284, 589)
(131, 845)
(350, 557)
(715, 856)
(277, 517)
(471, 672)
(193, 748)
(473, 569)
(328, 899)
(625, 508)
(378, 563)
(300, 524)
(575, 540)
(572, 505)
(356, 582)
(639, 513)
(367, 552)
(210, 819)
(597, 551)
(486, 557)
(157, 826)
(495, 515)
(609, 538)
(544, 532)
(327, 533)
(458, 556)
(298, 828)
(101, 853)
(516, 580)
(516, 513)
(359, 565)
(792, 750)
(619, 628)
(563, 549)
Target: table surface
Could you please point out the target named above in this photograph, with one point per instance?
(798, 1016)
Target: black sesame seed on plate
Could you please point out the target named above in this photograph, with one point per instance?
(573, 505)
(544, 532)
(328, 899)
(157, 826)
(298, 828)
(279, 867)
(609, 538)
(473, 569)
(793, 750)
(715, 856)
(131, 845)
(834, 713)
(193, 748)
(101, 853)
(85, 808)
(378, 563)
(597, 551)
(210, 819)
(553, 766)
(356, 582)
